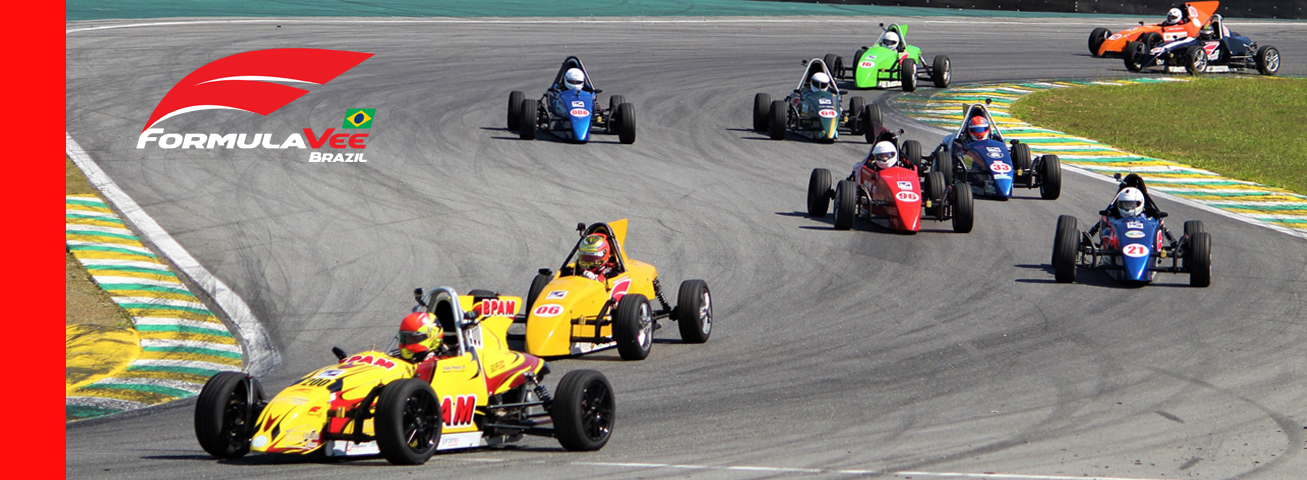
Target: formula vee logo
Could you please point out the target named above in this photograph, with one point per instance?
(245, 82)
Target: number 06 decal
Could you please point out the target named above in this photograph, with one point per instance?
(547, 310)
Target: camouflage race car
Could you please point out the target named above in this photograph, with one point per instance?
(891, 62)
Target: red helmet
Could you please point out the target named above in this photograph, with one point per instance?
(595, 251)
(978, 128)
(418, 333)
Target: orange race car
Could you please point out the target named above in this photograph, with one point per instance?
(1192, 18)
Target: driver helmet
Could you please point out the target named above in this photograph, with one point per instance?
(820, 81)
(884, 154)
(419, 333)
(594, 251)
(1130, 202)
(890, 40)
(978, 127)
(1173, 16)
(575, 79)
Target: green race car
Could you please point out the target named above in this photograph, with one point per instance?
(890, 63)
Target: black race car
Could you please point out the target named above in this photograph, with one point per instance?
(1215, 49)
(812, 111)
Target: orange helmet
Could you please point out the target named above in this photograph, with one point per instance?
(978, 128)
(595, 251)
(419, 333)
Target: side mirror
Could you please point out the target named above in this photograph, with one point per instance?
(580, 226)
(469, 317)
(1014, 142)
(796, 90)
(988, 101)
(545, 271)
(1161, 215)
(844, 92)
(340, 354)
(417, 295)
(803, 62)
(1117, 176)
(598, 91)
(1103, 213)
(882, 25)
(1141, 22)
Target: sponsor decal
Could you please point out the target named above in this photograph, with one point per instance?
(359, 117)
(550, 310)
(824, 101)
(1000, 167)
(620, 286)
(826, 113)
(496, 307)
(580, 112)
(905, 185)
(1134, 224)
(1134, 234)
(578, 103)
(370, 360)
(333, 373)
(907, 197)
(1135, 250)
(556, 295)
(1001, 175)
(457, 411)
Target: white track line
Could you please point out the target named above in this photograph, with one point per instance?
(984, 475)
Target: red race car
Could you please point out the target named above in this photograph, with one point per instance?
(1103, 43)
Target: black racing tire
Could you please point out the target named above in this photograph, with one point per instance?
(941, 72)
(1050, 176)
(964, 208)
(1193, 226)
(515, 108)
(942, 162)
(857, 58)
(1021, 163)
(1268, 60)
(694, 311)
(934, 191)
(819, 192)
(761, 109)
(527, 124)
(1096, 38)
(584, 411)
(1066, 243)
(626, 123)
(856, 104)
(538, 285)
(1198, 259)
(1133, 55)
(1150, 40)
(613, 102)
(408, 422)
(832, 62)
(908, 74)
(224, 422)
(846, 204)
(911, 151)
(777, 120)
(633, 327)
(871, 116)
(1195, 60)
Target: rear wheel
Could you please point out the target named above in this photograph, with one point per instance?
(942, 162)
(934, 190)
(911, 151)
(1096, 38)
(1066, 242)
(224, 416)
(856, 104)
(1268, 60)
(833, 63)
(633, 327)
(538, 285)
(761, 107)
(1195, 60)
(694, 311)
(819, 192)
(846, 203)
(408, 422)
(908, 74)
(515, 108)
(777, 121)
(964, 208)
(1133, 55)
(527, 124)
(1198, 259)
(1021, 163)
(613, 102)
(626, 123)
(1050, 177)
(942, 71)
(1151, 40)
(584, 411)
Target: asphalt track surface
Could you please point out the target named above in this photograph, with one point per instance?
(833, 354)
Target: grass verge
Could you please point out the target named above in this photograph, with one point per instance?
(84, 301)
(1247, 128)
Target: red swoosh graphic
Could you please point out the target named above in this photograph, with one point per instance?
(239, 81)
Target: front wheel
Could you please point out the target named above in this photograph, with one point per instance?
(964, 208)
(1096, 38)
(846, 203)
(1050, 177)
(1133, 56)
(408, 422)
(626, 123)
(819, 192)
(694, 311)
(908, 74)
(584, 411)
(1198, 259)
(633, 327)
(1268, 60)
(942, 71)
(224, 414)
(1195, 60)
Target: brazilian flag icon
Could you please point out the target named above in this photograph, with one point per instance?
(359, 117)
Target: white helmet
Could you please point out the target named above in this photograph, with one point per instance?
(575, 78)
(820, 81)
(1173, 16)
(884, 154)
(1130, 202)
(890, 40)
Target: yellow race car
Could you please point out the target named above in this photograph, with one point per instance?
(471, 392)
(568, 313)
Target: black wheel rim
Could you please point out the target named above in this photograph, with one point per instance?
(596, 411)
(234, 421)
(420, 423)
